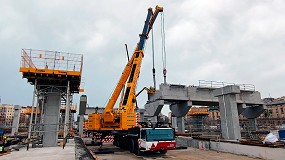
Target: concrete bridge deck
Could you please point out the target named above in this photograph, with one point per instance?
(232, 100)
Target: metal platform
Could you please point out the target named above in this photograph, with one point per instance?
(56, 76)
(52, 68)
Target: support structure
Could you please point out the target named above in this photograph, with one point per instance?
(16, 118)
(180, 124)
(82, 109)
(51, 112)
(229, 112)
(56, 76)
(232, 99)
(251, 113)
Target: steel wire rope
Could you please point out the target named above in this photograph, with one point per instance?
(163, 47)
(153, 59)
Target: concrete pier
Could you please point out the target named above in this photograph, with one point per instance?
(16, 118)
(229, 112)
(51, 119)
(82, 110)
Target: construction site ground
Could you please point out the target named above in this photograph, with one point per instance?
(181, 154)
(47, 153)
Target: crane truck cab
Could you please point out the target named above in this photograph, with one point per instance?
(143, 139)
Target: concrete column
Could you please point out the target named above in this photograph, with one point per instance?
(82, 105)
(252, 124)
(51, 120)
(82, 110)
(80, 125)
(229, 112)
(229, 117)
(180, 124)
(16, 119)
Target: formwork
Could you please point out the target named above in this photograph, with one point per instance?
(52, 68)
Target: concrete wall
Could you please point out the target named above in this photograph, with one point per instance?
(190, 142)
(251, 151)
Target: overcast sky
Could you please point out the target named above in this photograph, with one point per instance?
(221, 40)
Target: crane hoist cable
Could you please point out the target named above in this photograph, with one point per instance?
(153, 68)
(163, 47)
(127, 52)
(123, 90)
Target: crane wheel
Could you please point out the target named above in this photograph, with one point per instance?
(137, 151)
(163, 151)
(132, 146)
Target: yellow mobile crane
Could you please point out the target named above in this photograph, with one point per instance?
(121, 123)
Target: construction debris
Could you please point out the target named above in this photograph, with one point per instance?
(257, 142)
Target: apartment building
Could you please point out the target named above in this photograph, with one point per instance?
(6, 115)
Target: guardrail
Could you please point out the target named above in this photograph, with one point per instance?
(52, 60)
(216, 84)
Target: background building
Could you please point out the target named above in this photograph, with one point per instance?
(6, 115)
(206, 119)
(273, 117)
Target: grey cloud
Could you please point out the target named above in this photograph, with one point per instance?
(233, 41)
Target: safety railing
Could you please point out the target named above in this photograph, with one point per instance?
(216, 84)
(52, 60)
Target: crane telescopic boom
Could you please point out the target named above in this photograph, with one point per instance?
(124, 117)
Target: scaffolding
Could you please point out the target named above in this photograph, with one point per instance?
(56, 76)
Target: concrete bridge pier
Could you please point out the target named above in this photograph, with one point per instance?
(51, 119)
(82, 109)
(252, 124)
(179, 110)
(153, 109)
(16, 118)
(180, 124)
(251, 113)
(229, 111)
(231, 99)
